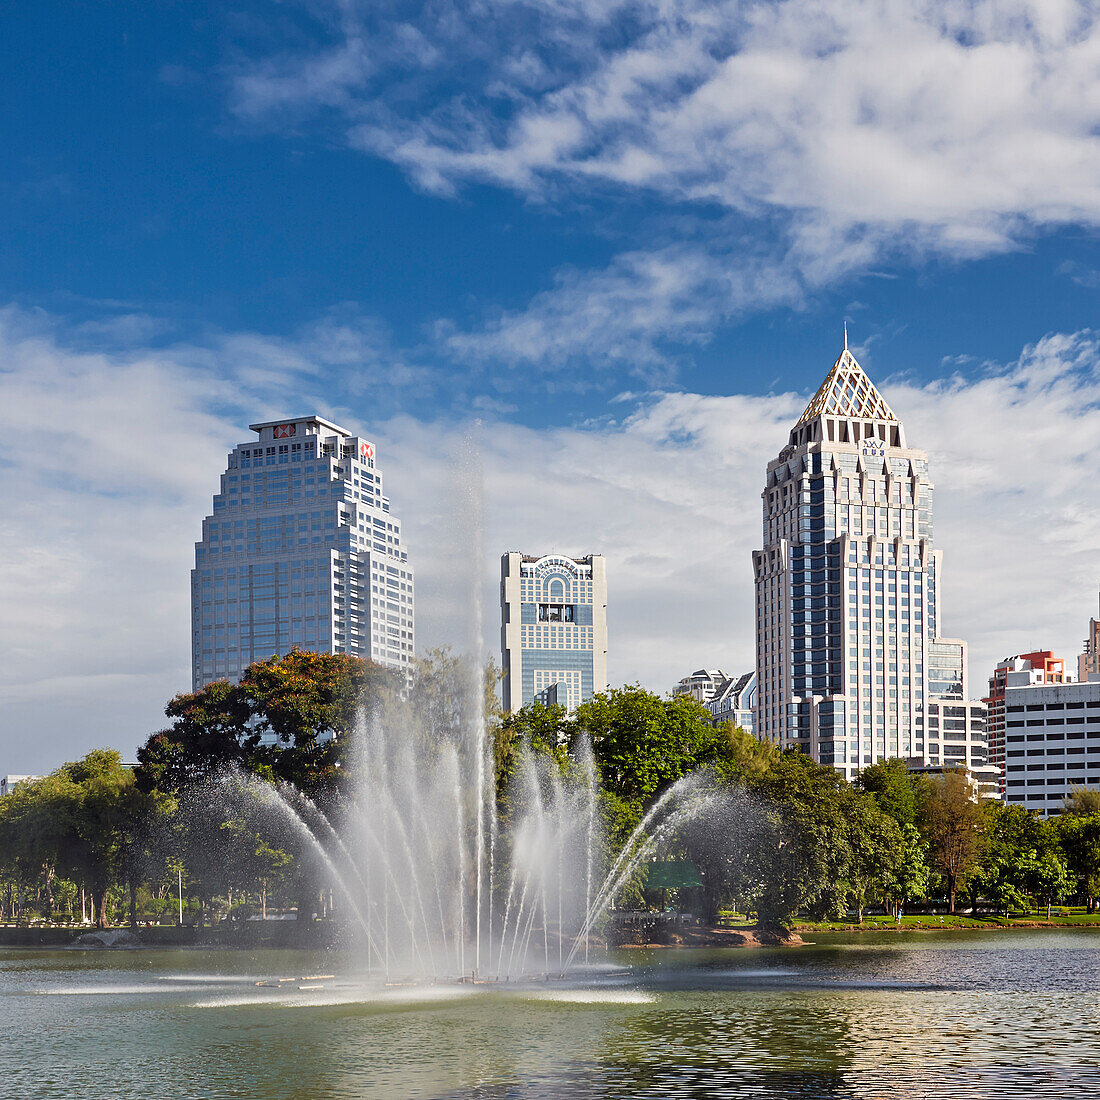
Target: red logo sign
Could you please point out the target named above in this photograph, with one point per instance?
(366, 451)
(284, 431)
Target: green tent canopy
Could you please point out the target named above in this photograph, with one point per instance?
(671, 874)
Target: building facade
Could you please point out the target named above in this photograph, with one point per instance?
(1039, 667)
(734, 702)
(727, 698)
(1052, 742)
(300, 549)
(553, 628)
(702, 685)
(849, 653)
(9, 782)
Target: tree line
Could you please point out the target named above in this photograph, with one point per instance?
(783, 837)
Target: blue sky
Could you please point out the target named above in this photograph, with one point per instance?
(571, 219)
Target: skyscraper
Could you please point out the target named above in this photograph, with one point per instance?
(553, 628)
(848, 653)
(300, 550)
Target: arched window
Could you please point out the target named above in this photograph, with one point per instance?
(555, 590)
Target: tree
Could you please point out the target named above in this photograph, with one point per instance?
(1020, 859)
(1079, 838)
(893, 787)
(642, 743)
(1083, 801)
(877, 850)
(804, 852)
(953, 823)
(744, 757)
(909, 877)
(305, 704)
(81, 821)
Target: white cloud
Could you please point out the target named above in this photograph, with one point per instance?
(887, 126)
(636, 314)
(110, 460)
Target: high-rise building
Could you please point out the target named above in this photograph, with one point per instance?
(301, 549)
(1040, 667)
(553, 628)
(849, 654)
(1088, 663)
(1052, 735)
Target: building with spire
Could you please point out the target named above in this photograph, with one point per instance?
(851, 665)
(1088, 662)
(300, 549)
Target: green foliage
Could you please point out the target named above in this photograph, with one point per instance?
(895, 789)
(783, 836)
(805, 850)
(80, 822)
(643, 743)
(1079, 838)
(953, 822)
(307, 702)
(1020, 859)
(1083, 801)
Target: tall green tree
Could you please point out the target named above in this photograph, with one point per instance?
(804, 852)
(954, 825)
(82, 821)
(642, 743)
(306, 704)
(895, 789)
(1079, 838)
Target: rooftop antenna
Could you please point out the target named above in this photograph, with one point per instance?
(845, 335)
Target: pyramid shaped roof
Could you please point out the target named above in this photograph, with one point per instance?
(847, 392)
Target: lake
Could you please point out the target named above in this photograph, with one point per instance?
(924, 1015)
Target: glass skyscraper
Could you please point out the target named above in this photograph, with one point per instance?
(301, 549)
(848, 653)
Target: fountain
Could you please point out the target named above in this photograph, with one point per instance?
(441, 878)
(439, 882)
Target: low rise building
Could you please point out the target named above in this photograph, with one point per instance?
(1037, 667)
(734, 702)
(9, 782)
(728, 698)
(1052, 742)
(701, 685)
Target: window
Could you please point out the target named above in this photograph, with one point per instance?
(555, 613)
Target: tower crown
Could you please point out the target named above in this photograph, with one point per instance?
(848, 409)
(847, 392)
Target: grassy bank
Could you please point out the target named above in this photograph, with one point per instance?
(1061, 917)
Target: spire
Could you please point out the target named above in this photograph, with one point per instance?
(847, 392)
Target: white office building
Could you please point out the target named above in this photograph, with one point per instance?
(9, 782)
(553, 628)
(1052, 740)
(849, 654)
(727, 698)
(702, 685)
(301, 549)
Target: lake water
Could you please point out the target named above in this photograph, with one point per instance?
(928, 1015)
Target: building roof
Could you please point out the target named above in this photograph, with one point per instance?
(300, 420)
(847, 392)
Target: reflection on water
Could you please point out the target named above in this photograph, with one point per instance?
(989, 1016)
